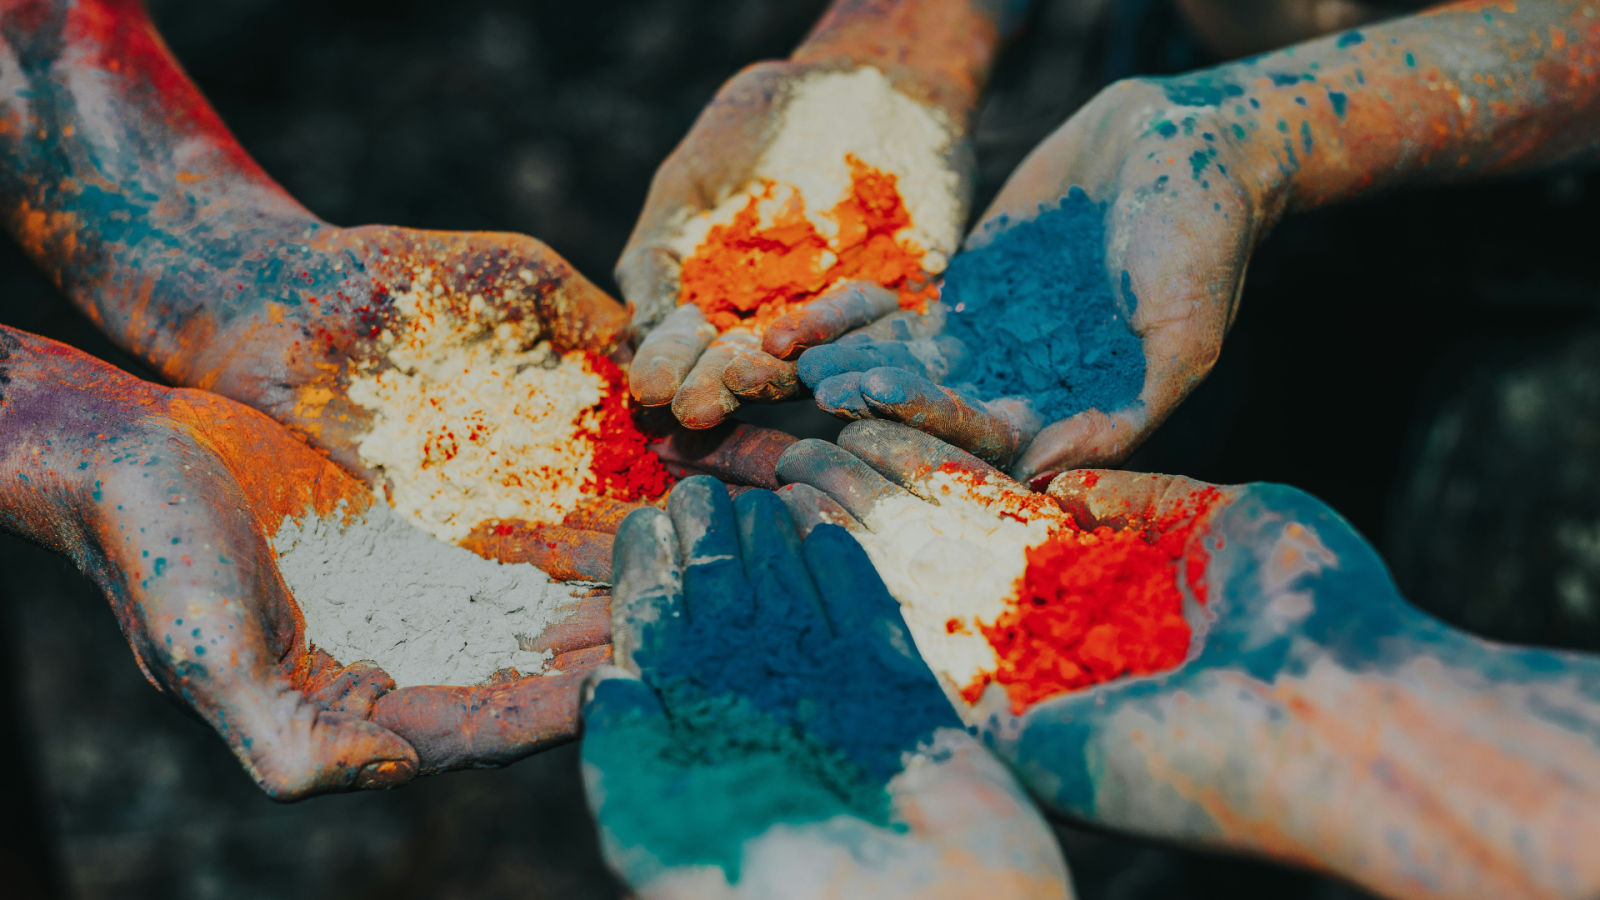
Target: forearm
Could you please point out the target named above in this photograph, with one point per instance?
(118, 178)
(1469, 89)
(944, 49)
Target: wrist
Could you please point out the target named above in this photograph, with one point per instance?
(939, 52)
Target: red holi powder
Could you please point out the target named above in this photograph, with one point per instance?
(746, 274)
(623, 466)
(1097, 605)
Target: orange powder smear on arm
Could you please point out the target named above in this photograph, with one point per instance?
(1097, 605)
(747, 274)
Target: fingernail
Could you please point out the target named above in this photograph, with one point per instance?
(385, 774)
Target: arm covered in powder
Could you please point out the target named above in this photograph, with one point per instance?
(166, 500)
(774, 733)
(885, 90)
(1095, 293)
(1233, 667)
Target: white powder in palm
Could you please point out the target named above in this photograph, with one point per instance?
(472, 424)
(956, 558)
(380, 589)
(828, 116)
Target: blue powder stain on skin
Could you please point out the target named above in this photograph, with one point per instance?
(1339, 101)
(1411, 61)
(1349, 39)
(1201, 91)
(1036, 308)
(1281, 80)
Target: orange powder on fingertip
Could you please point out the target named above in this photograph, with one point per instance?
(1098, 604)
(746, 273)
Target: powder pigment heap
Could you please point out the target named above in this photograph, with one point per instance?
(1004, 587)
(1035, 307)
(473, 425)
(829, 201)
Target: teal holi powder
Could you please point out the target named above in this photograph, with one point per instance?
(1201, 90)
(1036, 309)
(1349, 39)
(1339, 102)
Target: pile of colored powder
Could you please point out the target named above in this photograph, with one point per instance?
(1035, 305)
(1098, 604)
(473, 424)
(750, 271)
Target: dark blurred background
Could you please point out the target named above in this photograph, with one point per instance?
(1429, 363)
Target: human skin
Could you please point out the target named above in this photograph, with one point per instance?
(125, 186)
(1318, 719)
(165, 499)
(958, 823)
(938, 53)
(1194, 171)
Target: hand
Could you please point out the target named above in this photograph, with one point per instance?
(810, 197)
(1090, 300)
(774, 734)
(181, 505)
(1296, 706)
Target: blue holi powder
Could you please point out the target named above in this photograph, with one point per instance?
(1035, 308)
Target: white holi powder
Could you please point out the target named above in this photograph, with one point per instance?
(428, 612)
(959, 559)
(829, 116)
(472, 424)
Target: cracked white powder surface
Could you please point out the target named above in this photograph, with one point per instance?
(471, 424)
(377, 588)
(959, 559)
(831, 115)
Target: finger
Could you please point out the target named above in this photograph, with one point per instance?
(840, 475)
(704, 401)
(588, 624)
(351, 689)
(842, 309)
(774, 567)
(841, 396)
(565, 554)
(647, 590)
(931, 358)
(733, 452)
(809, 507)
(1088, 439)
(853, 594)
(708, 544)
(991, 432)
(753, 374)
(1116, 498)
(906, 456)
(580, 662)
(649, 278)
(482, 725)
(601, 514)
(904, 326)
(668, 354)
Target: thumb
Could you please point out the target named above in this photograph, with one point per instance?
(1116, 498)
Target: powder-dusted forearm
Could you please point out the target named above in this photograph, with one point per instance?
(118, 178)
(946, 47)
(1468, 89)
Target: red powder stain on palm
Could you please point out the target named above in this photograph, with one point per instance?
(746, 274)
(623, 467)
(1098, 604)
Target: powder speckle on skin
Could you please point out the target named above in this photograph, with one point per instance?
(855, 183)
(471, 424)
(1036, 307)
(377, 588)
(954, 565)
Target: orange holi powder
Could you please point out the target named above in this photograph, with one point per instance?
(1098, 604)
(745, 273)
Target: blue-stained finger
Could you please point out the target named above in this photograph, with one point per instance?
(824, 362)
(857, 603)
(708, 547)
(989, 433)
(905, 325)
(841, 396)
(647, 589)
(843, 308)
(838, 474)
(809, 507)
(784, 593)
